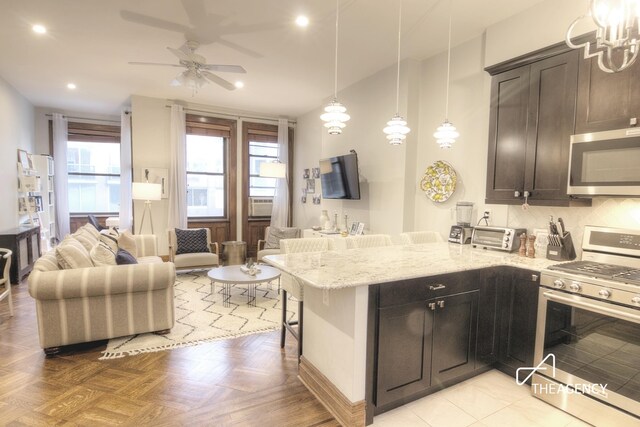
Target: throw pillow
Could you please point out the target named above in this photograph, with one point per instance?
(101, 254)
(276, 234)
(128, 243)
(110, 238)
(191, 241)
(124, 257)
(71, 254)
(47, 262)
(91, 229)
(85, 237)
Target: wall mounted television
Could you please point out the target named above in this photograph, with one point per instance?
(339, 177)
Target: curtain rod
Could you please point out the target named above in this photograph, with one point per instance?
(85, 118)
(235, 116)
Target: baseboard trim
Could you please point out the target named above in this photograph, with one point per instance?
(347, 413)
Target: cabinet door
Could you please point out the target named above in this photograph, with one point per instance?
(454, 336)
(507, 134)
(519, 302)
(552, 95)
(606, 100)
(488, 318)
(404, 351)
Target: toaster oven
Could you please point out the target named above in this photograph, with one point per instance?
(500, 238)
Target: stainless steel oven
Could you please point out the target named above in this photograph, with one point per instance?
(605, 163)
(587, 351)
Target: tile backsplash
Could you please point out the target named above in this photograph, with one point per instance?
(618, 212)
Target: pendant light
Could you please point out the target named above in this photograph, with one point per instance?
(446, 134)
(617, 22)
(335, 114)
(397, 129)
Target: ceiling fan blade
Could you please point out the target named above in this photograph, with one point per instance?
(224, 68)
(219, 80)
(139, 18)
(180, 54)
(154, 63)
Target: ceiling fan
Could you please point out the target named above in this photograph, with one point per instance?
(198, 72)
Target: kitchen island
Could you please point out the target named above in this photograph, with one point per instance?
(342, 313)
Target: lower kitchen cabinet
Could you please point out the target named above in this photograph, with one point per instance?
(518, 301)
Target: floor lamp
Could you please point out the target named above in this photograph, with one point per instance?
(146, 191)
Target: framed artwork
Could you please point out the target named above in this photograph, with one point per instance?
(357, 228)
(158, 176)
(305, 174)
(316, 200)
(23, 159)
(311, 186)
(315, 173)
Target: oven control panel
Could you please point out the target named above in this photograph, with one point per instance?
(597, 289)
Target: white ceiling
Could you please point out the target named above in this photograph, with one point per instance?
(289, 69)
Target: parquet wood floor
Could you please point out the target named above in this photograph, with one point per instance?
(247, 381)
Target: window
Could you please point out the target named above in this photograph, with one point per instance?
(260, 152)
(206, 176)
(93, 166)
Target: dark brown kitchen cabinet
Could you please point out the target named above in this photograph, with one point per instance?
(455, 322)
(519, 306)
(404, 351)
(531, 119)
(488, 318)
(606, 101)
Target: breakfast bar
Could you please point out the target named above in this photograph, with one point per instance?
(342, 300)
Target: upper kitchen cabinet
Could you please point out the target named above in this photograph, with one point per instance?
(606, 100)
(531, 120)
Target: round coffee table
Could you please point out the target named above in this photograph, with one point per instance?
(232, 275)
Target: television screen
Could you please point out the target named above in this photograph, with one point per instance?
(339, 177)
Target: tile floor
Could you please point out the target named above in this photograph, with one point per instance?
(492, 399)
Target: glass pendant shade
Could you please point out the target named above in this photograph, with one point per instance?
(446, 134)
(617, 37)
(335, 115)
(396, 130)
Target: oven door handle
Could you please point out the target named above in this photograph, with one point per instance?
(619, 312)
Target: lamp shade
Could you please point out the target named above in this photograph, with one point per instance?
(273, 170)
(146, 191)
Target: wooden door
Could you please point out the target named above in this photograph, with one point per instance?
(507, 134)
(404, 351)
(552, 95)
(518, 321)
(454, 336)
(606, 100)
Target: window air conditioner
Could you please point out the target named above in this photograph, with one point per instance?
(260, 206)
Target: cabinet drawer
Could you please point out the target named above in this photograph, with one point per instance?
(407, 291)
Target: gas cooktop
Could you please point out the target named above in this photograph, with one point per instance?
(600, 270)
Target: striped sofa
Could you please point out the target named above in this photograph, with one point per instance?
(95, 303)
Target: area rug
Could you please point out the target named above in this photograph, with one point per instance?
(202, 317)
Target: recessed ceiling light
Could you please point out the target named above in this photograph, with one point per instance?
(71, 86)
(39, 29)
(239, 84)
(302, 21)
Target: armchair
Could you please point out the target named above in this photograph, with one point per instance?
(196, 260)
(4, 279)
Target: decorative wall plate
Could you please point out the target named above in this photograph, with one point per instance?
(439, 181)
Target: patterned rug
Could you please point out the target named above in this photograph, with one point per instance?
(201, 317)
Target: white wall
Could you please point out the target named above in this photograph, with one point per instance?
(384, 169)
(16, 131)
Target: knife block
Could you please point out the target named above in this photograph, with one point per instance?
(564, 252)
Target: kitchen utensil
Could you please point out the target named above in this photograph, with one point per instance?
(562, 226)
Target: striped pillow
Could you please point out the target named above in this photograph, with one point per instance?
(85, 237)
(91, 229)
(71, 254)
(128, 243)
(47, 262)
(101, 254)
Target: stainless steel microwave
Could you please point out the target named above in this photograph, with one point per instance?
(605, 163)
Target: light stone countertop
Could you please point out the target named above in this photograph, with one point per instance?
(363, 267)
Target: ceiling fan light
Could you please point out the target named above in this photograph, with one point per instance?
(396, 130)
(446, 134)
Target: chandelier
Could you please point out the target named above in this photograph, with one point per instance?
(335, 114)
(617, 40)
(397, 129)
(446, 134)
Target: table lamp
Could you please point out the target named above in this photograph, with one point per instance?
(146, 191)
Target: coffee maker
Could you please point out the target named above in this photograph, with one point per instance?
(461, 232)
